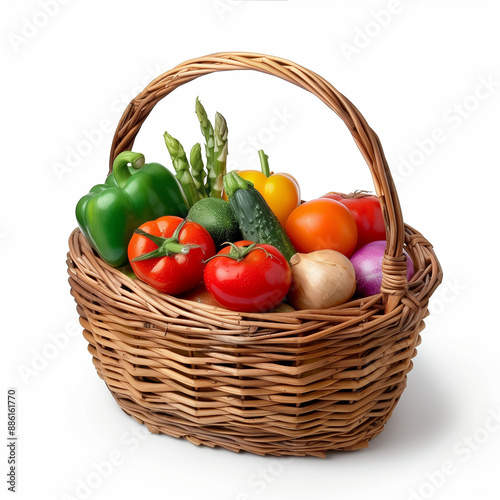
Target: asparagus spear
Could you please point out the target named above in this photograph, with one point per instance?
(220, 155)
(208, 133)
(197, 169)
(181, 166)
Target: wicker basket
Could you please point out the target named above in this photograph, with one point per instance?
(291, 383)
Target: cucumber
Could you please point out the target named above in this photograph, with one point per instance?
(256, 220)
(216, 216)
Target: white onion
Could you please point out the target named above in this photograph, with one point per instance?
(321, 279)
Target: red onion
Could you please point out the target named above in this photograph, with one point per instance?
(367, 262)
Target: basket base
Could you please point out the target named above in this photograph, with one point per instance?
(314, 433)
(257, 441)
(311, 432)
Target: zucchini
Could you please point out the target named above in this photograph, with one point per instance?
(256, 220)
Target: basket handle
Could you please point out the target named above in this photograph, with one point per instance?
(394, 282)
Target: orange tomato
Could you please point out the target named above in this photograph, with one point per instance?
(322, 223)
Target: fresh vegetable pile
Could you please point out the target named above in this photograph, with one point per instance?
(239, 240)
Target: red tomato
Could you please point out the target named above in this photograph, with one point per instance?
(367, 214)
(248, 277)
(171, 257)
(320, 224)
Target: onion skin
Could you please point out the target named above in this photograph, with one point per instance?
(321, 279)
(367, 262)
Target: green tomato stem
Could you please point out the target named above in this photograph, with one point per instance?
(167, 247)
(239, 253)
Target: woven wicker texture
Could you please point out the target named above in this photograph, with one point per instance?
(290, 383)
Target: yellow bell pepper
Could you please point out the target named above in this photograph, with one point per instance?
(281, 191)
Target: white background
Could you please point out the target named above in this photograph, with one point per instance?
(426, 76)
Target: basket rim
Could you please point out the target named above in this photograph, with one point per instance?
(428, 275)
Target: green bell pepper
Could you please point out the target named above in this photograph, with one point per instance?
(130, 196)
